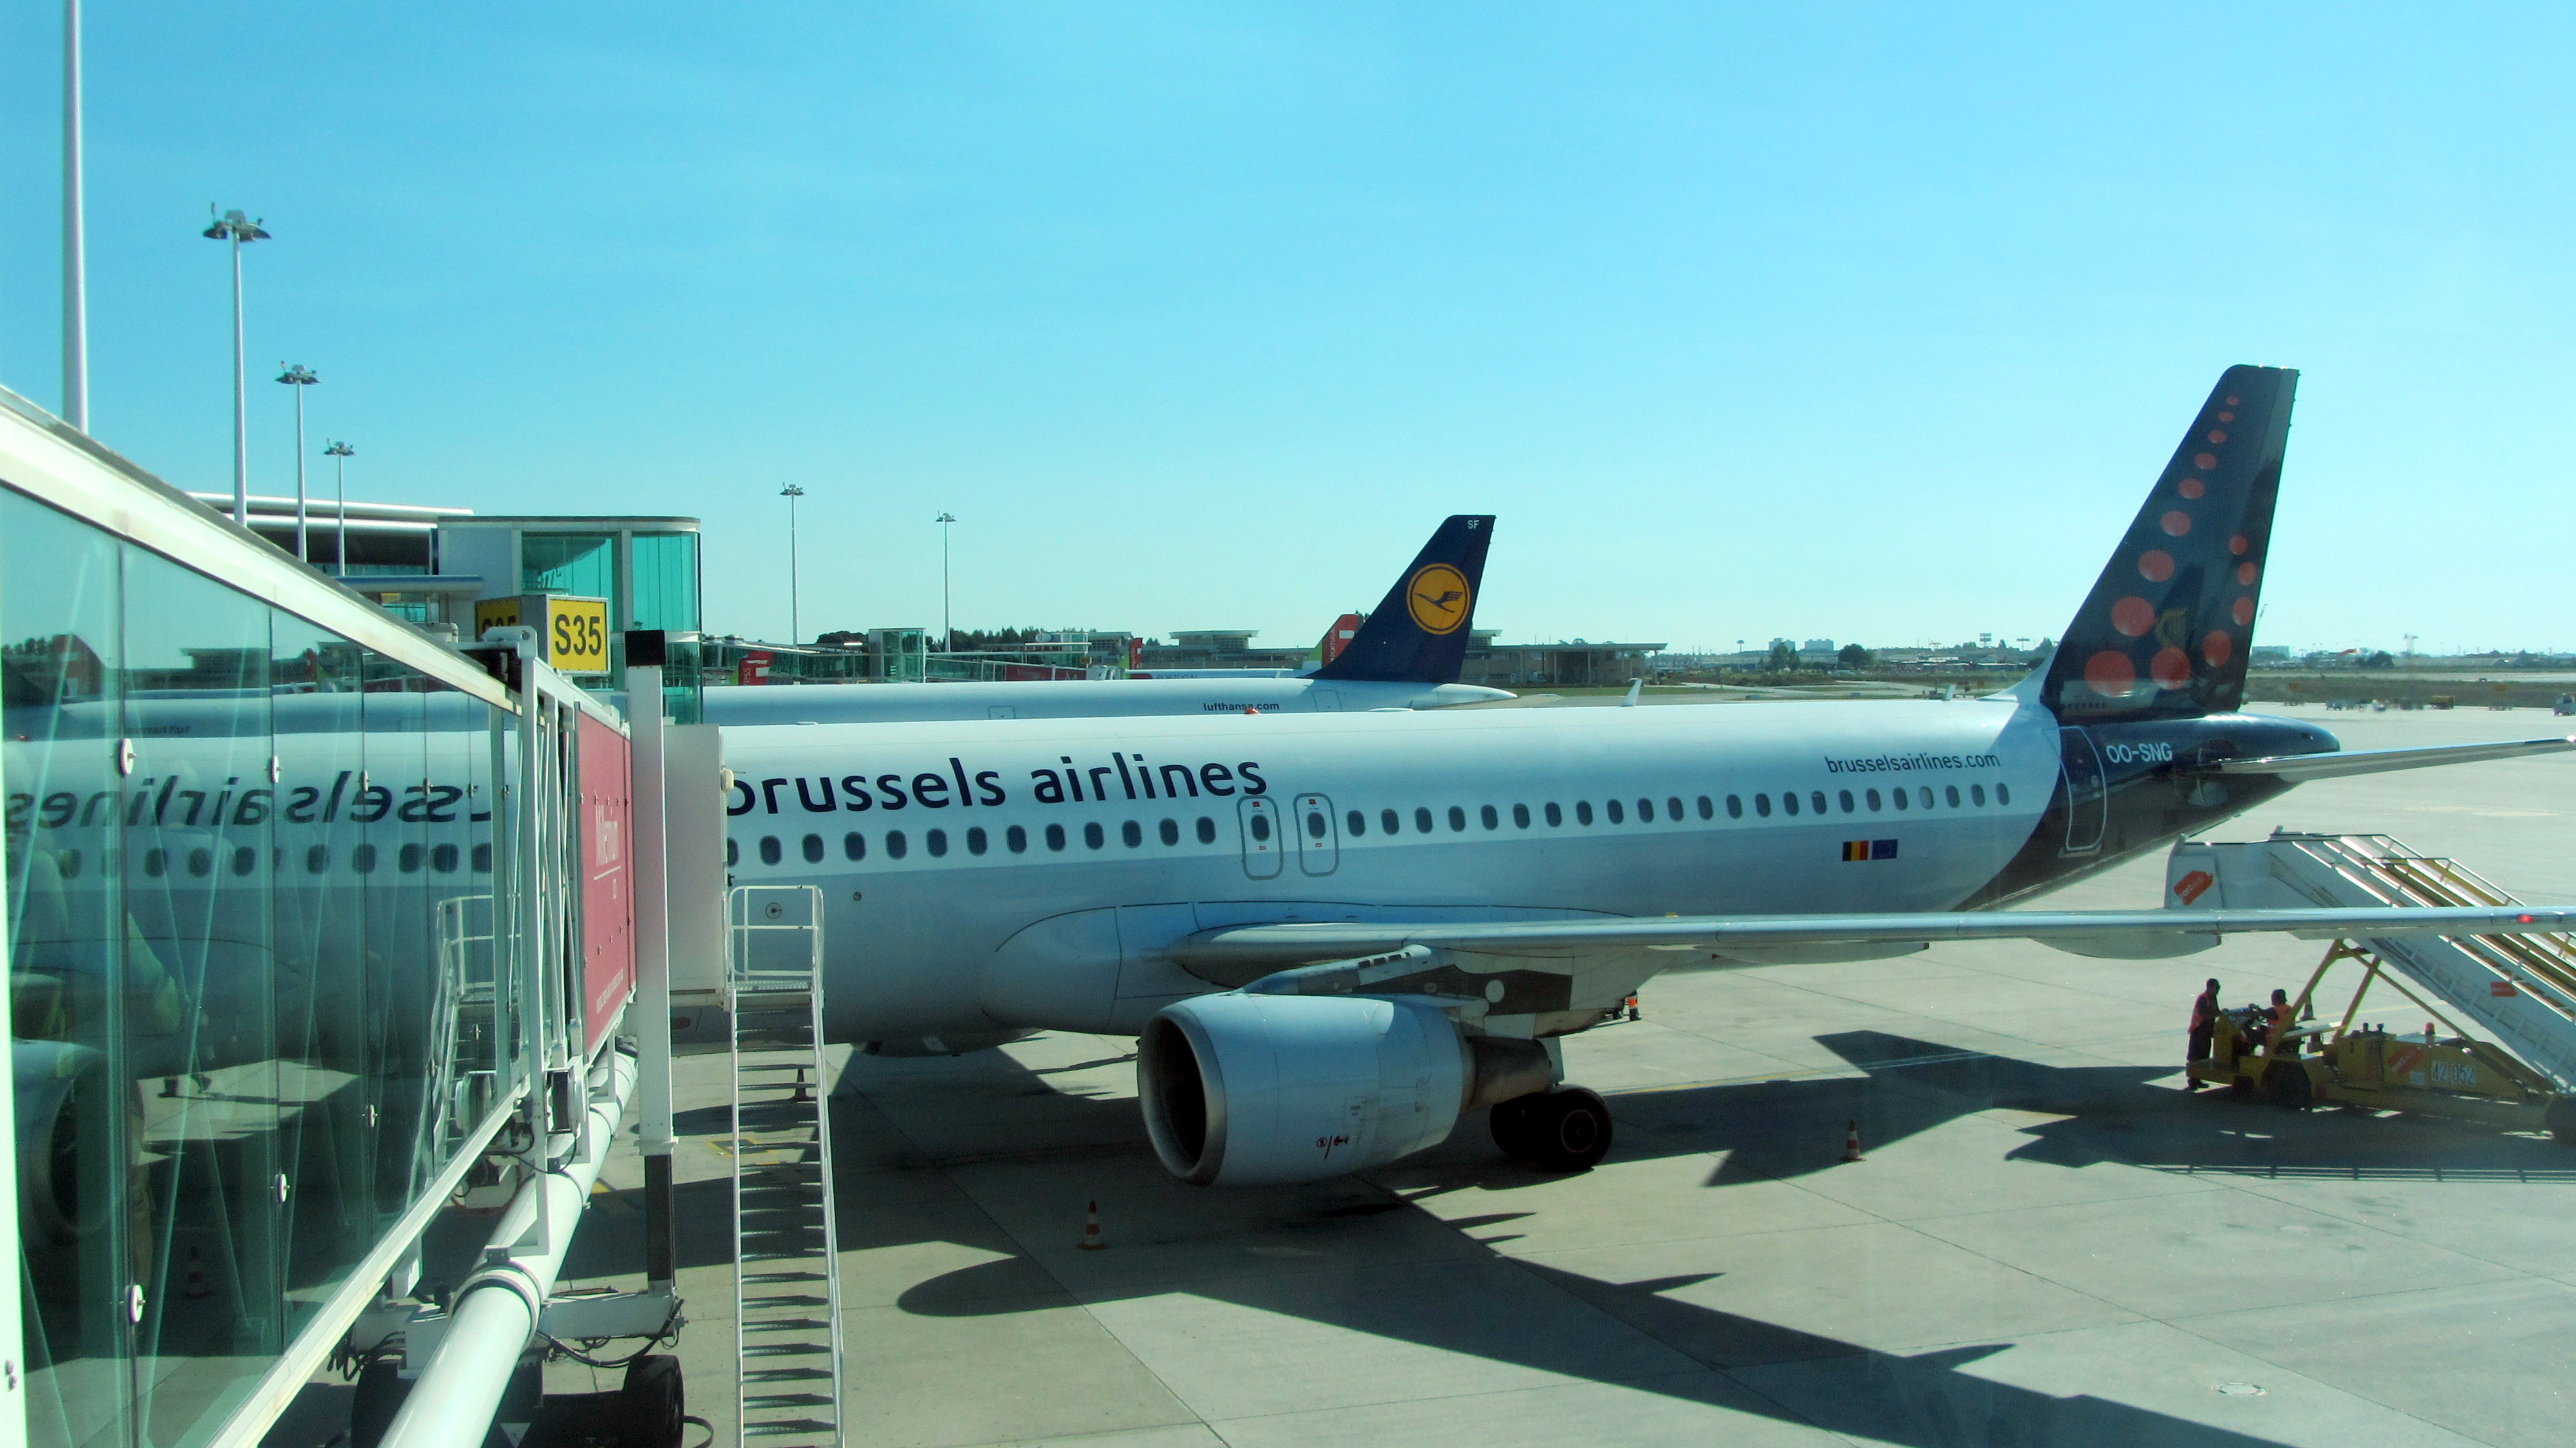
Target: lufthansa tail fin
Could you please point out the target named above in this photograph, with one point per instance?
(2170, 624)
(1418, 634)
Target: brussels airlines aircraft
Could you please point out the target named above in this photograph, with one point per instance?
(1405, 657)
(1336, 934)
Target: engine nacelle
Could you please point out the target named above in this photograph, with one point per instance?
(1248, 1089)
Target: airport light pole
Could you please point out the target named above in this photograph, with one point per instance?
(299, 377)
(795, 624)
(339, 453)
(947, 624)
(236, 228)
(75, 240)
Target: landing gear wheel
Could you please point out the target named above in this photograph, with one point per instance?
(2286, 1085)
(651, 1404)
(1570, 1129)
(1510, 1122)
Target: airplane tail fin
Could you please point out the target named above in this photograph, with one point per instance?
(1419, 632)
(2169, 626)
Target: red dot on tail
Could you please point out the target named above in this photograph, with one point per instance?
(2171, 669)
(2237, 545)
(2176, 524)
(2231, 402)
(2133, 616)
(2204, 461)
(2216, 436)
(2155, 565)
(2110, 674)
(2193, 487)
(2218, 648)
(2227, 417)
(2243, 612)
(2245, 574)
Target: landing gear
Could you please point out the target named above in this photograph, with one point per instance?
(1567, 1129)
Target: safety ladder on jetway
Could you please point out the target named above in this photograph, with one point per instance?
(2521, 988)
(787, 1294)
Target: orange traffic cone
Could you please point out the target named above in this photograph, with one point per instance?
(196, 1289)
(1851, 1142)
(1632, 1008)
(1091, 1241)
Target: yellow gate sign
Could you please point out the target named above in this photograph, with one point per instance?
(572, 633)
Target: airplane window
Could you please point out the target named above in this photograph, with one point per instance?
(201, 863)
(1673, 808)
(246, 859)
(407, 859)
(1520, 816)
(317, 859)
(1846, 802)
(1707, 811)
(1261, 827)
(2003, 794)
(1207, 830)
(1618, 812)
(1133, 833)
(1055, 837)
(483, 857)
(443, 859)
(1171, 832)
(1953, 792)
(1389, 821)
(1358, 823)
(155, 862)
(1816, 800)
(1488, 818)
(1555, 816)
(1762, 805)
(1645, 811)
(1583, 811)
(1735, 806)
(1976, 794)
(733, 853)
(1897, 795)
(977, 842)
(1457, 819)
(1016, 840)
(769, 849)
(1094, 837)
(70, 865)
(813, 849)
(1421, 820)
(1788, 800)
(1871, 797)
(894, 844)
(854, 846)
(937, 840)
(1315, 824)
(1927, 796)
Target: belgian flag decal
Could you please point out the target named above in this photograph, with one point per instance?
(1868, 850)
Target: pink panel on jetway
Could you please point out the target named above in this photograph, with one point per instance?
(607, 882)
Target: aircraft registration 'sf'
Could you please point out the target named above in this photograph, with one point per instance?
(1335, 934)
(1407, 656)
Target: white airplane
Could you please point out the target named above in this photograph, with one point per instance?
(1405, 657)
(1336, 934)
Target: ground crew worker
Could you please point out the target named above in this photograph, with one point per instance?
(2280, 1018)
(2204, 1023)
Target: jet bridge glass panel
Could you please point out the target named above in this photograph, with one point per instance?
(249, 872)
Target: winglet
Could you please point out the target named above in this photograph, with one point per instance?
(1419, 632)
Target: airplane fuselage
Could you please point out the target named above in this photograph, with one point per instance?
(1075, 699)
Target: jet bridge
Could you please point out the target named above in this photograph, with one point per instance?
(2520, 989)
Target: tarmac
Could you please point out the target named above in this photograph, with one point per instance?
(2047, 1241)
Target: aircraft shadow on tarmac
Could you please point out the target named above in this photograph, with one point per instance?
(1760, 1130)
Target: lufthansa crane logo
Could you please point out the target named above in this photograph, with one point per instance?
(1437, 598)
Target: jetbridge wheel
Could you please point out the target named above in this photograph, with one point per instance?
(2286, 1085)
(379, 1396)
(2561, 1120)
(1569, 1129)
(651, 1404)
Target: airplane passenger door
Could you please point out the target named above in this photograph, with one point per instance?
(2081, 778)
(1327, 701)
(1262, 847)
(1319, 848)
(1001, 711)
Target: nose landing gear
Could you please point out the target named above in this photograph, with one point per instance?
(1567, 1129)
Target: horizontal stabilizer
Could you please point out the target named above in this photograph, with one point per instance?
(2300, 768)
(2129, 934)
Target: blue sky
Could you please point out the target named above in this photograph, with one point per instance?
(1864, 321)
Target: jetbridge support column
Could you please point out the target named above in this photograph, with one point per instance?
(644, 657)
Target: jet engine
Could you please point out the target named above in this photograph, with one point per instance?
(1248, 1089)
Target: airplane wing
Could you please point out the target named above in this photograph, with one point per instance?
(2115, 934)
(2300, 768)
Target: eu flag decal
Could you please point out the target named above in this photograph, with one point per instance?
(1882, 849)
